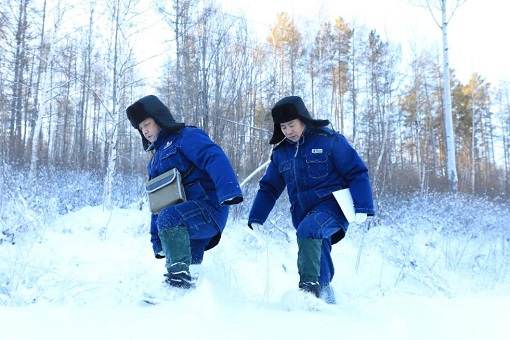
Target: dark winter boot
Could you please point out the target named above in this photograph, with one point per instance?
(310, 287)
(181, 279)
(176, 244)
(309, 263)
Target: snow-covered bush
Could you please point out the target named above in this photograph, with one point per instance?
(30, 206)
(441, 240)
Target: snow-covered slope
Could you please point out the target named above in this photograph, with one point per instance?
(83, 275)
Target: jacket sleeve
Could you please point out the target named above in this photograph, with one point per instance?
(210, 157)
(155, 240)
(271, 187)
(354, 171)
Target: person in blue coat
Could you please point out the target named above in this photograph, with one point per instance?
(181, 233)
(311, 161)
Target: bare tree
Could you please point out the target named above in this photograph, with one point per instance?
(45, 58)
(447, 13)
(20, 65)
(380, 81)
(180, 16)
(122, 14)
(503, 100)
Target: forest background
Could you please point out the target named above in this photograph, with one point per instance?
(68, 71)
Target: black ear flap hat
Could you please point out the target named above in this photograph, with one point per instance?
(290, 108)
(151, 107)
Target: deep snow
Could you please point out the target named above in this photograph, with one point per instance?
(82, 275)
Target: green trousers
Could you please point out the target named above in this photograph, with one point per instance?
(176, 245)
(309, 259)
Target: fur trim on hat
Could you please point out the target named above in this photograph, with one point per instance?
(290, 108)
(151, 107)
(136, 114)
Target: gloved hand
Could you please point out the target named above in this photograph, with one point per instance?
(256, 226)
(360, 218)
(160, 254)
(232, 201)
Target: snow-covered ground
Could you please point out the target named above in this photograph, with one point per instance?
(428, 268)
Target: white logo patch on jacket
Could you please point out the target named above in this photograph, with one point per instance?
(316, 150)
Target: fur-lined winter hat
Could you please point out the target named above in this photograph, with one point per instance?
(290, 108)
(151, 107)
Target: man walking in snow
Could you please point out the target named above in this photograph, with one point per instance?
(312, 161)
(183, 232)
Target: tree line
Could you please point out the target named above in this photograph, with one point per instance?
(68, 72)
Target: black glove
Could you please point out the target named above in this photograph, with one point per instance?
(256, 226)
(232, 201)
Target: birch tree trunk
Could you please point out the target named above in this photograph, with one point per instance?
(123, 17)
(112, 140)
(451, 166)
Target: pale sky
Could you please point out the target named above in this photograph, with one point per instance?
(477, 33)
